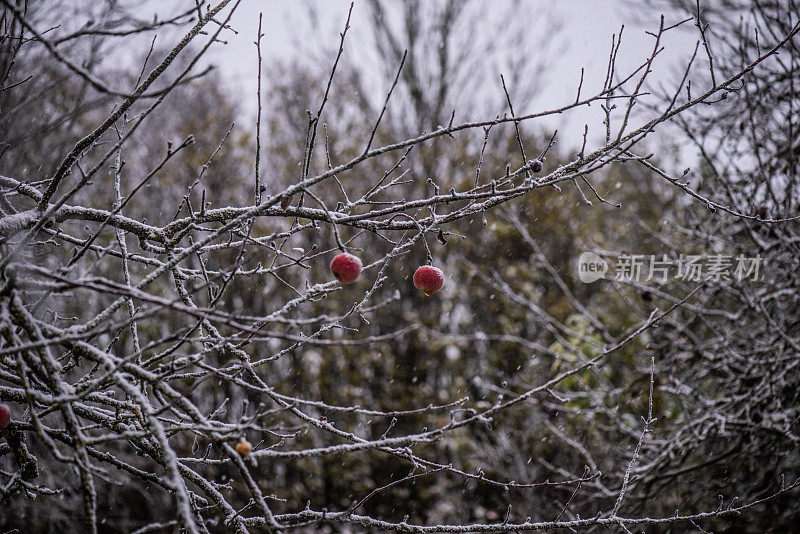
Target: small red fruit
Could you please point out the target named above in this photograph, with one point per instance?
(346, 267)
(429, 279)
(5, 415)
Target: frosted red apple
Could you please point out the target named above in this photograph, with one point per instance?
(5, 415)
(429, 279)
(346, 267)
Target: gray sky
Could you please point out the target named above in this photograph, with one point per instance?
(588, 26)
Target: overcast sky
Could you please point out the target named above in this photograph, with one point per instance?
(588, 26)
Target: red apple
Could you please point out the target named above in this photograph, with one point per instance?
(346, 267)
(5, 415)
(429, 279)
